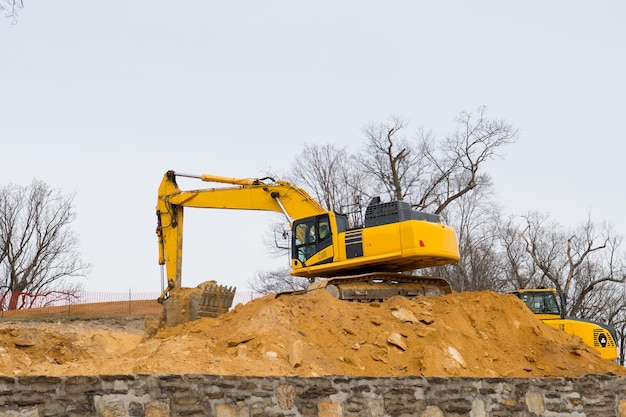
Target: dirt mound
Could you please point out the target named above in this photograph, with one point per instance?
(481, 334)
(72, 347)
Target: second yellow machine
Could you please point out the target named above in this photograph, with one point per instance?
(365, 262)
(543, 302)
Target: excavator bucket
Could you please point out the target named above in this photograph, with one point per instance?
(183, 304)
(215, 300)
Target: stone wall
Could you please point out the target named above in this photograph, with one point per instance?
(222, 396)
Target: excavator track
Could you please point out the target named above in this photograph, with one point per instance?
(377, 287)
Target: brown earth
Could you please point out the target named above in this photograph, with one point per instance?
(479, 334)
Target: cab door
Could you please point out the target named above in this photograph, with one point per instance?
(310, 236)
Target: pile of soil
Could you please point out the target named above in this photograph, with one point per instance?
(478, 334)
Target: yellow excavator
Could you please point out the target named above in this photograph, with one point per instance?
(543, 302)
(363, 263)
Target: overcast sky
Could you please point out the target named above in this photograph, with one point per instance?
(102, 98)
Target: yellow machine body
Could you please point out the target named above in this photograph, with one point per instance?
(543, 302)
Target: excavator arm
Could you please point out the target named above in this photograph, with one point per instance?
(264, 194)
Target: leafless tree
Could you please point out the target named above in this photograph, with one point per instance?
(389, 159)
(327, 173)
(456, 164)
(270, 282)
(519, 270)
(475, 217)
(11, 9)
(277, 238)
(577, 263)
(38, 249)
(431, 173)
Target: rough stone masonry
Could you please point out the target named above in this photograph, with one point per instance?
(237, 396)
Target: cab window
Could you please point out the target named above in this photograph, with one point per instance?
(310, 236)
(304, 240)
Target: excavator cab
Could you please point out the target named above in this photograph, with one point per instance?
(314, 234)
(541, 302)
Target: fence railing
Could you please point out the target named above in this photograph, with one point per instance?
(89, 303)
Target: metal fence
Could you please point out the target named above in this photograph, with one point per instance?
(89, 303)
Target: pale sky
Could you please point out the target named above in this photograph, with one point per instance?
(102, 98)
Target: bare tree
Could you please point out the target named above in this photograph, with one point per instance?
(577, 263)
(327, 173)
(475, 217)
(11, 8)
(519, 270)
(431, 173)
(270, 282)
(455, 166)
(38, 249)
(390, 160)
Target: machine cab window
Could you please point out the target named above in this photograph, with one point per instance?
(540, 302)
(309, 236)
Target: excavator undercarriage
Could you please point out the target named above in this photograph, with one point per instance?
(378, 287)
